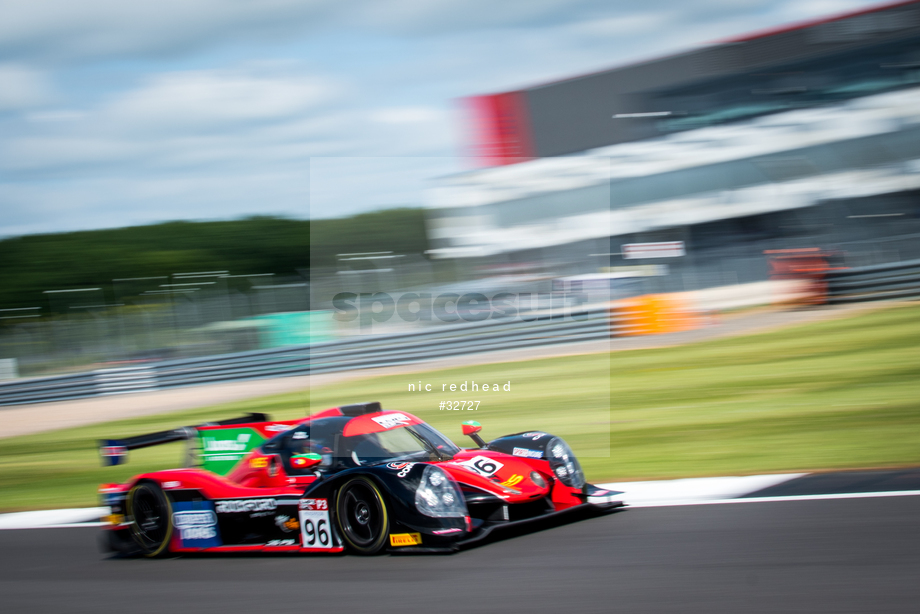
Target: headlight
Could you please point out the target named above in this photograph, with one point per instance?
(564, 464)
(438, 495)
(537, 479)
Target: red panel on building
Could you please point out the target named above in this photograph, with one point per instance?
(501, 129)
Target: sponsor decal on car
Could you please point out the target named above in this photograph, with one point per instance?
(481, 465)
(513, 481)
(278, 428)
(234, 506)
(226, 445)
(281, 542)
(196, 523)
(314, 504)
(315, 529)
(286, 523)
(114, 519)
(534, 435)
(223, 448)
(405, 539)
(260, 462)
(390, 421)
(402, 468)
(300, 435)
(447, 531)
(172, 484)
(527, 453)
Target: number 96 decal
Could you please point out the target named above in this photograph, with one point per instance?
(483, 465)
(315, 530)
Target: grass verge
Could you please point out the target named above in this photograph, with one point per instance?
(836, 394)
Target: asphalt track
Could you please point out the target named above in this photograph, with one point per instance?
(853, 555)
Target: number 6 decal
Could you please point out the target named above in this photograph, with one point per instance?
(486, 467)
(483, 465)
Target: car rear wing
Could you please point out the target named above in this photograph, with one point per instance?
(115, 451)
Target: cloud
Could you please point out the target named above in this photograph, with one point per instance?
(811, 9)
(407, 115)
(119, 113)
(636, 24)
(208, 99)
(200, 116)
(63, 31)
(54, 115)
(66, 31)
(22, 87)
(208, 144)
(396, 180)
(72, 153)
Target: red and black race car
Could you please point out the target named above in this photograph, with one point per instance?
(352, 478)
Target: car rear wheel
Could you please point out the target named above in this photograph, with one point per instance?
(361, 514)
(151, 514)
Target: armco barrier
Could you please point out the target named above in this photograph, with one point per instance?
(898, 280)
(358, 353)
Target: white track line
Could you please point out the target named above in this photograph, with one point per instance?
(84, 516)
(852, 495)
(696, 489)
(73, 525)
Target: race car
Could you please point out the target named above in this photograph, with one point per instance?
(354, 478)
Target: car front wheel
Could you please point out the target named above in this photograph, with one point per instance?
(361, 514)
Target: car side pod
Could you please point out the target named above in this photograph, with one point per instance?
(471, 429)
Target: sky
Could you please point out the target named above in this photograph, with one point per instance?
(118, 113)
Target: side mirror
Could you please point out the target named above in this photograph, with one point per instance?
(305, 461)
(471, 429)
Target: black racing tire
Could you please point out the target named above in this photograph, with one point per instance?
(150, 512)
(361, 516)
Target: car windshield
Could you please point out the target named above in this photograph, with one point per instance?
(419, 441)
(442, 445)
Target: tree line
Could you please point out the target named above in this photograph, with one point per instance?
(34, 264)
